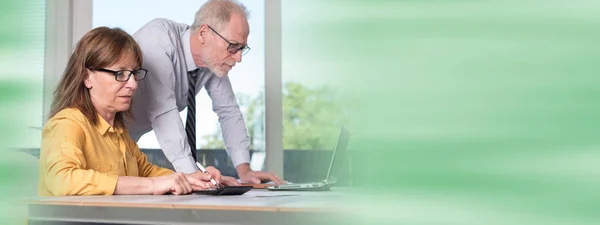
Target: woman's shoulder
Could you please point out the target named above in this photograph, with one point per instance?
(68, 123)
(69, 114)
(70, 117)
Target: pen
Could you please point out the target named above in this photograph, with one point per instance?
(204, 171)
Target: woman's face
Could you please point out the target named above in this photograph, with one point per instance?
(109, 95)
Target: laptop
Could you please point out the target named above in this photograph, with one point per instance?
(337, 158)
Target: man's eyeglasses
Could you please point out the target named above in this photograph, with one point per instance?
(233, 47)
(124, 75)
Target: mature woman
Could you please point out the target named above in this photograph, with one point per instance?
(86, 149)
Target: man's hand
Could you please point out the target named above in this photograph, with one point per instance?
(256, 177)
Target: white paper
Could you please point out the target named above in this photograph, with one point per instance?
(267, 194)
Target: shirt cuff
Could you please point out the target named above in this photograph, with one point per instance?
(107, 183)
(239, 157)
(185, 165)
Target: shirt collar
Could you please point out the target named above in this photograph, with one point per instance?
(187, 50)
(102, 126)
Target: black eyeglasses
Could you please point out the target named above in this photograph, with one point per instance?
(124, 75)
(233, 47)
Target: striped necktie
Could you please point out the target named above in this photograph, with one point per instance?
(190, 123)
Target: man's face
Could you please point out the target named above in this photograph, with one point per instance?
(216, 55)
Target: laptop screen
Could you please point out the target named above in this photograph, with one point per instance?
(339, 155)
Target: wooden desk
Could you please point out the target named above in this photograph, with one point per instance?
(254, 207)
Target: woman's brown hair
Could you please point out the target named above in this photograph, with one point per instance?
(100, 47)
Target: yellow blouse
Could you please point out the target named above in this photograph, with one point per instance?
(80, 158)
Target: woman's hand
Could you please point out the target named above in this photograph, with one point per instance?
(229, 181)
(177, 184)
(180, 183)
(204, 178)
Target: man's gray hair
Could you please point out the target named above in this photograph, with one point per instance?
(216, 13)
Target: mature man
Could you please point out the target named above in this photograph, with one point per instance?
(182, 59)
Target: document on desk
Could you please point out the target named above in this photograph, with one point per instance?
(252, 194)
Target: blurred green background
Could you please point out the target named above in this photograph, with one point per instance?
(20, 102)
(463, 112)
